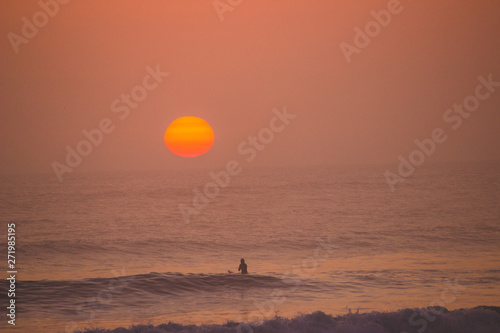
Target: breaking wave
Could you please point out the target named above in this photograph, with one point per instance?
(481, 319)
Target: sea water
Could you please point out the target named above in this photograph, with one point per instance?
(114, 249)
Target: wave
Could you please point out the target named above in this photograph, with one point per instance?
(173, 284)
(483, 319)
(121, 246)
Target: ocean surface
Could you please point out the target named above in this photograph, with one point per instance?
(107, 250)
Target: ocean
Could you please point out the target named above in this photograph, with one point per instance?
(325, 246)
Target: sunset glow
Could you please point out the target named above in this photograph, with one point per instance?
(189, 137)
(353, 187)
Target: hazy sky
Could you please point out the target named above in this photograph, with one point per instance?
(233, 72)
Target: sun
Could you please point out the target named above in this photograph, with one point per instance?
(189, 137)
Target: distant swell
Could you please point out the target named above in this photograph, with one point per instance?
(476, 320)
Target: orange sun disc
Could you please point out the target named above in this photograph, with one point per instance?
(189, 137)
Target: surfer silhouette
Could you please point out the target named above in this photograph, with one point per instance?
(243, 267)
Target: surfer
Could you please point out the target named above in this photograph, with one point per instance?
(243, 267)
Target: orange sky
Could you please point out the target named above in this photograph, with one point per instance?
(232, 73)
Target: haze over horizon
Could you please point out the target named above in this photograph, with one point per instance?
(234, 72)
